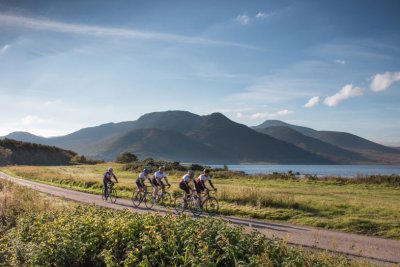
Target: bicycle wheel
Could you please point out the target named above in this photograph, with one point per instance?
(113, 195)
(165, 200)
(194, 206)
(148, 200)
(211, 206)
(179, 204)
(137, 198)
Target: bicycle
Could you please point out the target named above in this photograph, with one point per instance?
(207, 203)
(163, 198)
(190, 203)
(111, 193)
(138, 197)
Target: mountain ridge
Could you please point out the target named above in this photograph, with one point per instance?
(216, 138)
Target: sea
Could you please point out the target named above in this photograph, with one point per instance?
(318, 170)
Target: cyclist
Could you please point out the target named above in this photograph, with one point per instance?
(140, 180)
(157, 180)
(184, 184)
(200, 183)
(108, 175)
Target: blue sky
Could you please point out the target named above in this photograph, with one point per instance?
(329, 65)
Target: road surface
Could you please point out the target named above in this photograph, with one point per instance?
(372, 248)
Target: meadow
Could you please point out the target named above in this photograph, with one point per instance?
(369, 206)
(40, 230)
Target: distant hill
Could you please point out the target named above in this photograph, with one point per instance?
(27, 137)
(273, 123)
(314, 145)
(368, 149)
(24, 153)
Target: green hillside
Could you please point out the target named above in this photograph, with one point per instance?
(24, 153)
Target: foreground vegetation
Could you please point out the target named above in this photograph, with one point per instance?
(52, 232)
(364, 205)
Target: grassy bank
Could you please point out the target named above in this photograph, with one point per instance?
(368, 206)
(52, 232)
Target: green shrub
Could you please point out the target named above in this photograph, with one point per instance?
(126, 157)
(88, 236)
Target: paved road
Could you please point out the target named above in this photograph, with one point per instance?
(372, 248)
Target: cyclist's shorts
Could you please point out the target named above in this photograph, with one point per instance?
(140, 183)
(158, 183)
(199, 186)
(184, 187)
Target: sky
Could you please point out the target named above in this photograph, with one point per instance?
(328, 65)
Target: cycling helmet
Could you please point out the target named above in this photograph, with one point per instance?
(206, 170)
(110, 169)
(161, 168)
(147, 171)
(191, 172)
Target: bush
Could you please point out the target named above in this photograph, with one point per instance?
(88, 236)
(126, 157)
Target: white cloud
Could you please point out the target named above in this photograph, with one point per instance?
(346, 92)
(267, 115)
(340, 61)
(381, 82)
(101, 31)
(261, 15)
(31, 120)
(312, 102)
(243, 19)
(4, 48)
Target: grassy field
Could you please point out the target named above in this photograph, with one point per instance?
(39, 230)
(364, 207)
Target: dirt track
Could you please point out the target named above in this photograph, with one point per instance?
(372, 248)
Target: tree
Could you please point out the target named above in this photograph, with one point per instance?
(126, 157)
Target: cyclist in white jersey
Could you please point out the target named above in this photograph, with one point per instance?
(184, 184)
(143, 176)
(157, 180)
(200, 183)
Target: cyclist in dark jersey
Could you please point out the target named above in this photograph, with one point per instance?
(108, 175)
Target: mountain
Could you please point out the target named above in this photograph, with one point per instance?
(246, 145)
(183, 136)
(163, 144)
(24, 153)
(314, 145)
(368, 149)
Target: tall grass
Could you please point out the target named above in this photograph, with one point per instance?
(254, 196)
(17, 201)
